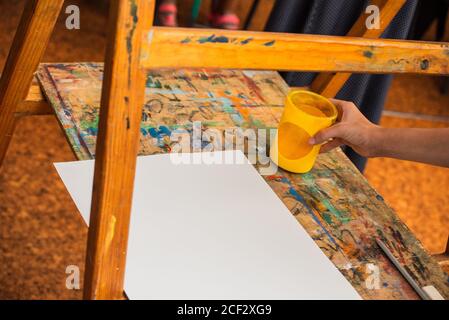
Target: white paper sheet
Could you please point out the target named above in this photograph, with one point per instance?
(213, 232)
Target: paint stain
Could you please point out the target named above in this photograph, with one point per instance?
(254, 88)
(327, 218)
(368, 54)
(159, 133)
(342, 217)
(269, 43)
(301, 200)
(246, 41)
(213, 39)
(153, 83)
(425, 64)
(130, 35)
(186, 40)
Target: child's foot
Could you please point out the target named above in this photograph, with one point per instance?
(167, 15)
(228, 21)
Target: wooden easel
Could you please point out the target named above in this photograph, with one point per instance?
(135, 46)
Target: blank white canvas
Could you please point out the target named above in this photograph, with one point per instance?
(214, 231)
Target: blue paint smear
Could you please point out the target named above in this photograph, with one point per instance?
(299, 198)
(214, 39)
(159, 133)
(269, 44)
(221, 39)
(246, 41)
(379, 197)
(164, 130)
(153, 132)
(92, 131)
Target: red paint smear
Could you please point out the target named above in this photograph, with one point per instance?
(271, 178)
(253, 87)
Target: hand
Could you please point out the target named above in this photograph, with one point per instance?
(352, 129)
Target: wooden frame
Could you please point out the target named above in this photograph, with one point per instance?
(133, 46)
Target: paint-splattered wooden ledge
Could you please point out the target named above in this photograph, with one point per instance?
(186, 47)
(334, 202)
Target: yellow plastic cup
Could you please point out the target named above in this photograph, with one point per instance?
(305, 113)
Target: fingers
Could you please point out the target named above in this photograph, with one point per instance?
(336, 131)
(344, 108)
(331, 145)
(338, 104)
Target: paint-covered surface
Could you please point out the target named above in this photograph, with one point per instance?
(213, 38)
(174, 100)
(229, 49)
(333, 202)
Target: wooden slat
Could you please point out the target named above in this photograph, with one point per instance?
(34, 103)
(202, 48)
(116, 151)
(328, 84)
(30, 41)
(261, 15)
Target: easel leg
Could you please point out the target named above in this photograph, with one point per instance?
(30, 42)
(117, 145)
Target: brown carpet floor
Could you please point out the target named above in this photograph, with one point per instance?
(41, 232)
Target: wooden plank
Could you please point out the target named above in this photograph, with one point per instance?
(34, 31)
(168, 47)
(118, 140)
(261, 15)
(34, 103)
(328, 84)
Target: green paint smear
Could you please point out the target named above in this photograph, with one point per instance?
(153, 84)
(327, 217)
(86, 124)
(341, 216)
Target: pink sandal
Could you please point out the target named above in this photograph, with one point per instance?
(167, 15)
(228, 21)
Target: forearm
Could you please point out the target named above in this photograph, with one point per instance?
(422, 145)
